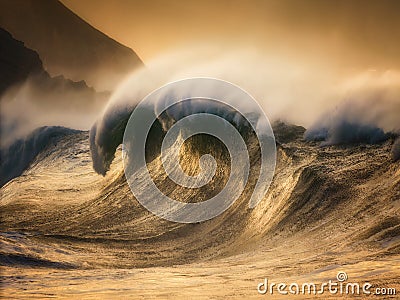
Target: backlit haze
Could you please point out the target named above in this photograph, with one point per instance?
(350, 35)
(298, 58)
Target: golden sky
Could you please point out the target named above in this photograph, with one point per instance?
(350, 34)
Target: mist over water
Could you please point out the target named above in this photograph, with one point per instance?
(337, 108)
(369, 113)
(33, 104)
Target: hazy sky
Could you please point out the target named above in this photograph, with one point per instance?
(350, 34)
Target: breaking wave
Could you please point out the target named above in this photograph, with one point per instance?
(346, 133)
(17, 157)
(369, 115)
(107, 133)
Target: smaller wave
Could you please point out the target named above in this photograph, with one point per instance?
(15, 158)
(345, 132)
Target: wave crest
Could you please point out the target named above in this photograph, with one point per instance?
(19, 155)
